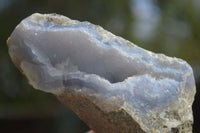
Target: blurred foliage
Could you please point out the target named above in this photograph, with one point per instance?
(168, 26)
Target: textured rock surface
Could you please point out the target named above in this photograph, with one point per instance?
(110, 83)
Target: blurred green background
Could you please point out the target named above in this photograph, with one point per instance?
(166, 26)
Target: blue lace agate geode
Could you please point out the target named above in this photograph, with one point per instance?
(112, 84)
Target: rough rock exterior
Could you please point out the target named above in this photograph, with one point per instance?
(110, 83)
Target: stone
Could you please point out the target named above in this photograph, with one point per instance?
(113, 85)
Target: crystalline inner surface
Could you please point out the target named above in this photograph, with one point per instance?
(56, 53)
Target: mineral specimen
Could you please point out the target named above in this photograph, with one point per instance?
(111, 84)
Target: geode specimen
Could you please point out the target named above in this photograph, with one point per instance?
(111, 84)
